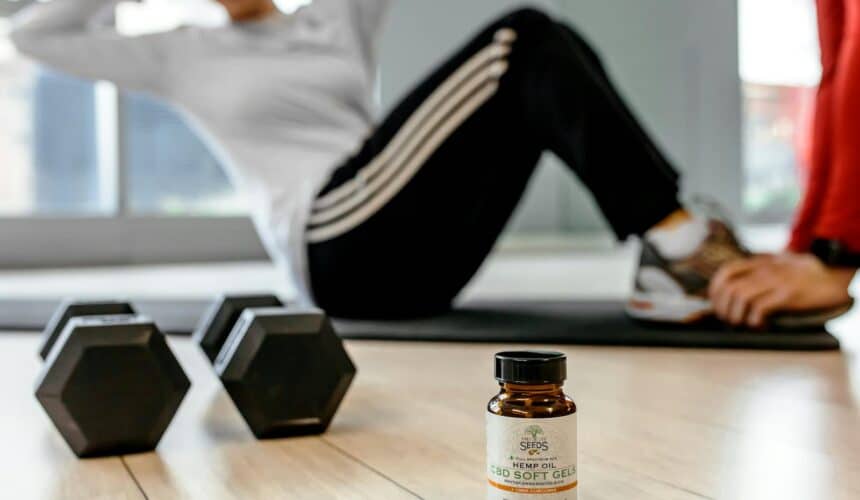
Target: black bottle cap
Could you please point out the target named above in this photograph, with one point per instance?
(531, 367)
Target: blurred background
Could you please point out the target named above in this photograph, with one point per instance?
(89, 175)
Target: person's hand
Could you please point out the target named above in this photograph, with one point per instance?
(746, 292)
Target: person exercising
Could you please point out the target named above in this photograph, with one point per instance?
(392, 219)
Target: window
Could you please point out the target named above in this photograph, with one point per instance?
(48, 144)
(72, 148)
(57, 135)
(90, 176)
(15, 137)
(779, 71)
(169, 171)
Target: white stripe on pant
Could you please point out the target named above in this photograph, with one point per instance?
(438, 117)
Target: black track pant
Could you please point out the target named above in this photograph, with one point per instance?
(405, 224)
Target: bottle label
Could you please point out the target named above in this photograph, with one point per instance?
(531, 457)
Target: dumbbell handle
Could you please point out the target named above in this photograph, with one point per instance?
(221, 318)
(77, 309)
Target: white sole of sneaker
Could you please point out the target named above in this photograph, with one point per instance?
(666, 308)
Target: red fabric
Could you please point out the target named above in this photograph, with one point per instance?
(831, 207)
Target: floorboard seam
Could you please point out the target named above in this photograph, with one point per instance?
(655, 479)
(367, 465)
(133, 478)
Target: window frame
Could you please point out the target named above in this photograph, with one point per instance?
(33, 242)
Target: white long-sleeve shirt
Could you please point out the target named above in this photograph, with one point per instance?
(280, 101)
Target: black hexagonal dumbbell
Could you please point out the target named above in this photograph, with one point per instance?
(110, 384)
(285, 369)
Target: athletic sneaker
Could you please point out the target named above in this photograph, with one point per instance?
(676, 291)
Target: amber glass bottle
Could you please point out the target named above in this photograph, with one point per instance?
(531, 429)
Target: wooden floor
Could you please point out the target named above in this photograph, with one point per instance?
(654, 424)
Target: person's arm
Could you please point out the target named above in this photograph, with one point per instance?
(73, 37)
(831, 36)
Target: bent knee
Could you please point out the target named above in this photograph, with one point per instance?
(525, 19)
(541, 30)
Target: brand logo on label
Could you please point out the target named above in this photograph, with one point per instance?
(534, 441)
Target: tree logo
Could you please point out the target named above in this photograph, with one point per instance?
(534, 440)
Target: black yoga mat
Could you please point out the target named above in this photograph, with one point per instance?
(576, 322)
(554, 322)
